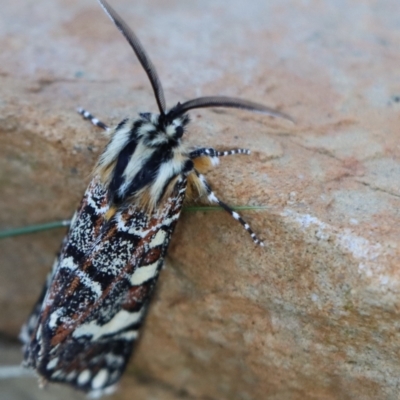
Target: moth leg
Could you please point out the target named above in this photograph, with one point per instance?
(86, 115)
(210, 152)
(214, 199)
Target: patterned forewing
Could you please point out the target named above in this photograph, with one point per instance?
(99, 293)
(90, 216)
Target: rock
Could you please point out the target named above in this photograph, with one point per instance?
(314, 313)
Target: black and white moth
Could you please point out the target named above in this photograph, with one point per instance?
(84, 326)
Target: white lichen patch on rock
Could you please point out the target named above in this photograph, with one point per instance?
(367, 254)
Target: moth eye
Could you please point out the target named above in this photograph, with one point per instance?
(178, 132)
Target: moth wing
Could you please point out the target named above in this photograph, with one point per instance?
(92, 206)
(29, 327)
(95, 305)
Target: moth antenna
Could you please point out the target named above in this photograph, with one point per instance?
(140, 53)
(225, 101)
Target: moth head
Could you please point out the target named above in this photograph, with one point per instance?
(161, 129)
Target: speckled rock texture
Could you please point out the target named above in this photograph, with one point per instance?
(313, 315)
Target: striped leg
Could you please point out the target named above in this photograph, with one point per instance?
(213, 198)
(210, 152)
(86, 115)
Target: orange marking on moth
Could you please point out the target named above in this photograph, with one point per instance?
(73, 286)
(195, 189)
(135, 297)
(202, 164)
(110, 213)
(61, 333)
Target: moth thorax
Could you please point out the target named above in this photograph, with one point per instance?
(148, 156)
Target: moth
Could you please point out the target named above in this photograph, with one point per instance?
(85, 324)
